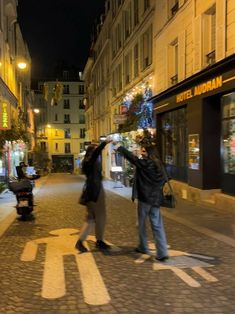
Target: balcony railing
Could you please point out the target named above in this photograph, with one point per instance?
(210, 58)
(174, 79)
(175, 8)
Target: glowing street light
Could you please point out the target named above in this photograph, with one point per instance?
(36, 110)
(22, 65)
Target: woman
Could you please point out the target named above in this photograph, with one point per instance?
(95, 197)
(148, 182)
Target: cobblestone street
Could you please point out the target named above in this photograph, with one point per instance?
(41, 272)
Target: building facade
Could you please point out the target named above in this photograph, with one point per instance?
(120, 66)
(184, 51)
(195, 95)
(60, 124)
(15, 95)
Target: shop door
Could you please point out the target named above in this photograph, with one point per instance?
(228, 143)
(62, 163)
(172, 135)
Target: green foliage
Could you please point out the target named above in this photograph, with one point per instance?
(133, 115)
(2, 187)
(17, 132)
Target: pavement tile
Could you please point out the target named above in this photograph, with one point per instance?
(133, 288)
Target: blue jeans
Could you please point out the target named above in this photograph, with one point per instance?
(156, 222)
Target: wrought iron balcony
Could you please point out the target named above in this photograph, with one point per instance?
(210, 58)
(174, 79)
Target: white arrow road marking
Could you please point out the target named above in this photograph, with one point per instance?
(58, 246)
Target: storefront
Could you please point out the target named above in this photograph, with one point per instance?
(196, 128)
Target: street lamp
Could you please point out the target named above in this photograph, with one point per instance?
(36, 112)
(22, 65)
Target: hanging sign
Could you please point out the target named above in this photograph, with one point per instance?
(5, 116)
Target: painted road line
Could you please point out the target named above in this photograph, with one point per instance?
(204, 274)
(142, 258)
(7, 220)
(93, 287)
(60, 245)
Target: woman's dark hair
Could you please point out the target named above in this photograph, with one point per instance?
(89, 151)
(152, 151)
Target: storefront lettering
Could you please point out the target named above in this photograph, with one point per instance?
(200, 89)
(5, 117)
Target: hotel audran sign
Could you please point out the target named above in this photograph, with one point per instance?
(200, 89)
(5, 119)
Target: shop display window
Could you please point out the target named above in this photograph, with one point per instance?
(174, 143)
(228, 133)
(193, 151)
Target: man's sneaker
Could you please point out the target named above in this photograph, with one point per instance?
(138, 250)
(81, 247)
(102, 245)
(162, 259)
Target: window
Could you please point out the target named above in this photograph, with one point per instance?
(136, 60)
(56, 132)
(136, 12)
(174, 146)
(56, 117)
(66, 118)
(67, 133)
(81, 118)
(66, 104)
(82, 133)
(119, 75)
(65, 75)
(81, 89)
(127, 68)
(66, 89)
(56, 147)
(209, 36)
(173, 59)
(146, 5)
(81, 104)
(82, 147)
(147, 48)
(67, 148)
(228, 133)
(127, 22)
(43, 146)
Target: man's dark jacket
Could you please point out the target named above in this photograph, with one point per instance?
(93, 170)
(149, 178)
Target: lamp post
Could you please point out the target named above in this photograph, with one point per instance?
(36, 113)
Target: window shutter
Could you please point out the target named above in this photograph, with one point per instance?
(220, 29)
(181, 69)
(197, 43)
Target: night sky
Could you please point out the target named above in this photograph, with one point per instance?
(58, 30)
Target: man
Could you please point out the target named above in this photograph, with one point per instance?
(148, 182)
(21, 171)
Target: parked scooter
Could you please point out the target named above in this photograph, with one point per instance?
(24, 196)
(22, 188)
